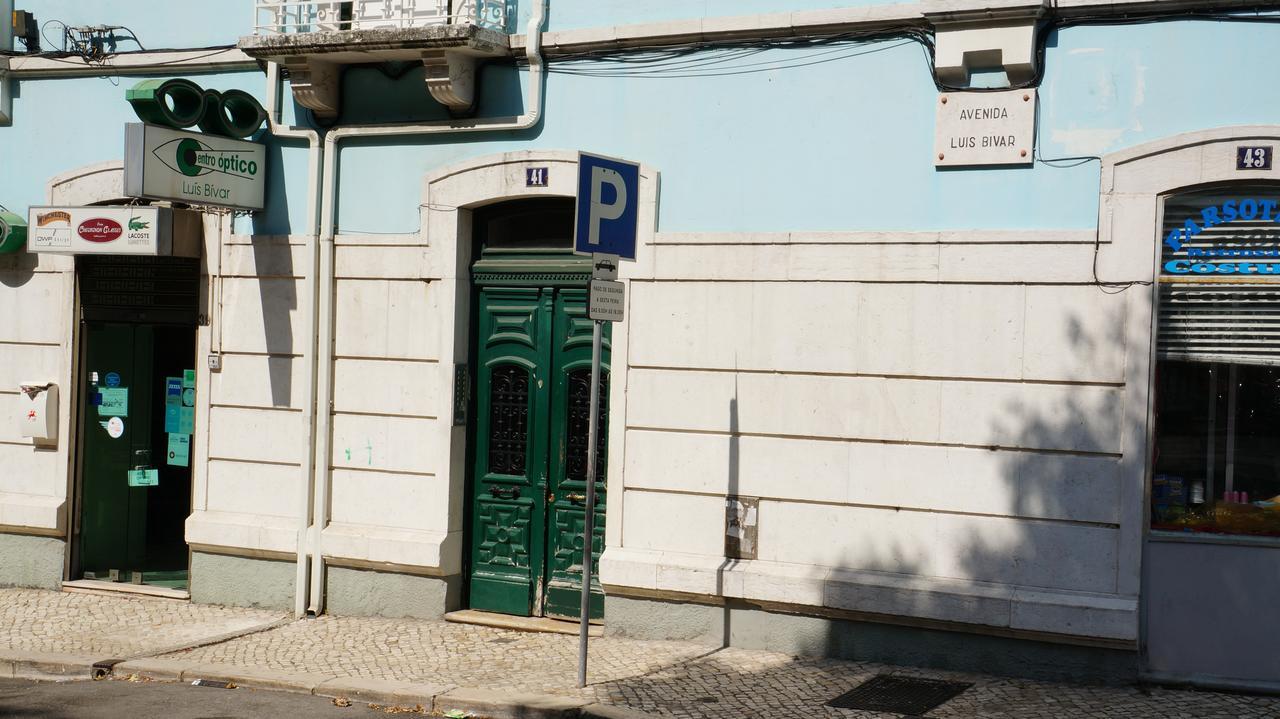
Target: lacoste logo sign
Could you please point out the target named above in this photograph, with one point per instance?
(100, 229)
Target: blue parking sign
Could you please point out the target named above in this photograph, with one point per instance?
(608, 212)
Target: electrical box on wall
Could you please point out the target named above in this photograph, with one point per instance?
(6, 45)
(6, 95)
(38, 411)
(6, 25)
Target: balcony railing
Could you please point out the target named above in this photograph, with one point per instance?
(296, 16)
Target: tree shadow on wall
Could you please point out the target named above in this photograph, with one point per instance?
(1025, 498)
(278, 281)
(1031, 481)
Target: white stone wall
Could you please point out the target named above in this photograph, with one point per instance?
(36, 294)
(37, 340)
(934, 424)
(250, 422)
(391, 495)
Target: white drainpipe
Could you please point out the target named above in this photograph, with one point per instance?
(308, 309)
(323, 433)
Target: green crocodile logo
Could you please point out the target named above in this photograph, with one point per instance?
(137, 224)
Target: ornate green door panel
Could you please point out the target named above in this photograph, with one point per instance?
(570, 415)
(533, 370)
(510, 474)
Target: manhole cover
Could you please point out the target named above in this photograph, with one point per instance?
(912, 696)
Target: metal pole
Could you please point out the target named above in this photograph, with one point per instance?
(593, 429)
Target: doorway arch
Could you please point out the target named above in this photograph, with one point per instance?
(451, 197)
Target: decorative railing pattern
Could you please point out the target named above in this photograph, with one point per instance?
(293, 16)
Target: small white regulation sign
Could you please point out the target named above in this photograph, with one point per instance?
(606, 300)
(604, 266)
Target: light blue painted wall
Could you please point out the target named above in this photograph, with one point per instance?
(573, 14)
(848, 144)
(168, 23)
(157, 23)
(60, 125)
(841, 145)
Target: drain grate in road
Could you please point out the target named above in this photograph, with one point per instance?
(912, 696)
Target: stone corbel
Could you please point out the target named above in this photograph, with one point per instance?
(451, 79)
(316, 85)
(1000, 34)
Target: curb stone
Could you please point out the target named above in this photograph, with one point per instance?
(256, 678)
(163, 670)
(46, 666)
(500, 705)
(382, 691)
(608, 711)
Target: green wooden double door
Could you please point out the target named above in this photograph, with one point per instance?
(533, 383)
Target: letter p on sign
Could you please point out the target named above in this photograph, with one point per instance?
(608, 206)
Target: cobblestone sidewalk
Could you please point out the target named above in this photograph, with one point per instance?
(36, 620)
(672, 679)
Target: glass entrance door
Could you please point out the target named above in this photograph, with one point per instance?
(137, 415)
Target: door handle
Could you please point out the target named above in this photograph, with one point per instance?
(577, 498)
(505, 492)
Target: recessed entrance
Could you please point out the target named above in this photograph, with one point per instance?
(531, 351)
(1213, 551)
(137, 396)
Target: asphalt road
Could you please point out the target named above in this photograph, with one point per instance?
(127, 700)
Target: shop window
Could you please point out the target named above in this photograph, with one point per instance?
(1217, 400)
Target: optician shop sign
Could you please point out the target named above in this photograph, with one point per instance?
(116, 230)
(192, 167)
(1217, 235)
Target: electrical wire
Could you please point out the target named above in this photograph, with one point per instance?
(751, 68)
(671, 61)
(704, 59)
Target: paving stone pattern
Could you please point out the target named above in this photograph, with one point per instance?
(38, 620)
(672, 679)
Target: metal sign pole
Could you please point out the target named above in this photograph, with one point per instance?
(593, 429)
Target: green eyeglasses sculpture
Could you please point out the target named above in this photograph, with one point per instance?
(180, 103)
(13, 232)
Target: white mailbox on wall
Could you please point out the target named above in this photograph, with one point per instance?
(38, 411)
